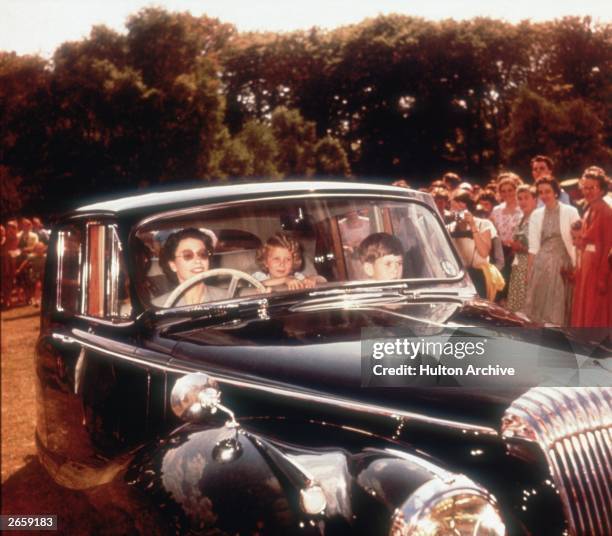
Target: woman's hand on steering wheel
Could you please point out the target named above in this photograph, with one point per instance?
(236, 275)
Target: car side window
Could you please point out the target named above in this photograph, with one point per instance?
(69, 244)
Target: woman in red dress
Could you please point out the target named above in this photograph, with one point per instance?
(592, 305)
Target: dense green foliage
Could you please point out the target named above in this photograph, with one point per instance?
(189, 98)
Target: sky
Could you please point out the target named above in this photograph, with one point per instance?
(39, 26)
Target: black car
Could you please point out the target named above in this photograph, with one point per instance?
(203, 367)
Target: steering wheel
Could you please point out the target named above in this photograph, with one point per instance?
(237, 275)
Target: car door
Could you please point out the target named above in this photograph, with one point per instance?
(99, 395)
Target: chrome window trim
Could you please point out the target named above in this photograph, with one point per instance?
(60, 270)
(111, 278)
(60, 248)
(86, 271)
(103, 322)
(178, 367)
(110, 287)
(112, 273)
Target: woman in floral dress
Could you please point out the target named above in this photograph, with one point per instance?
(506, 217)
(551, 254)
(527, 201)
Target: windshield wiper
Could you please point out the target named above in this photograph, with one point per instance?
(306, 299)
(409, 290)
(348, 301)
(217, 309)
(260, 304)
(373, 295)
(180, 318)
(358, 289)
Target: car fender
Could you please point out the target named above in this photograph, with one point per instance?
(217, 478)
(213, 479)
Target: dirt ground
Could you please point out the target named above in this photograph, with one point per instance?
(26, 487)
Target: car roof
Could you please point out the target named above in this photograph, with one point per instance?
(156, 201)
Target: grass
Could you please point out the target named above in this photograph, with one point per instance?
(26, 486)
(19, 333)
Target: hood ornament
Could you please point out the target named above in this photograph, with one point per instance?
(197, 396)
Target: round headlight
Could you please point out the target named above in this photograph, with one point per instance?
(312, 500)
(441, 507)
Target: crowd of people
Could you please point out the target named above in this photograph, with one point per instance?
(540, 248)
(23, 250)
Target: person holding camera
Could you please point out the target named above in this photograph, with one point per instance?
(473, 237)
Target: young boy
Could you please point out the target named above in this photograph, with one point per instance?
(280, 258)
(382, 256)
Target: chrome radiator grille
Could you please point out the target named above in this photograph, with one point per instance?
(573, 426)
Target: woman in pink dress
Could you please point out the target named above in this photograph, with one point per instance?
(592, 306)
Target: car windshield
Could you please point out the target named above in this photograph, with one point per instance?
(270, 246)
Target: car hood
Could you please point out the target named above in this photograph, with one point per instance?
(317, 350)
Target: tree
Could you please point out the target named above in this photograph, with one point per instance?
(295, 140)
(570, 132)
(164, 46)
(236, 160)
(116, 110)
(21, 79)
(12, 198)
(181, 97)
(330, 158)
(177, 56)
(261, 143)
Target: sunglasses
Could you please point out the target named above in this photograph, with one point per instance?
(188, 255)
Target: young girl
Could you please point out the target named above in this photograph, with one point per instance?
(280, 258)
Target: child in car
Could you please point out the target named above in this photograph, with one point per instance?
(280, 258)
(382, 256)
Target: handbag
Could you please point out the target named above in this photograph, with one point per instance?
(494, 280)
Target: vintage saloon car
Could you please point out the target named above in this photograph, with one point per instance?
(239, 408)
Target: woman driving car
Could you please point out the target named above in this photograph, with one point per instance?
(184, 255)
